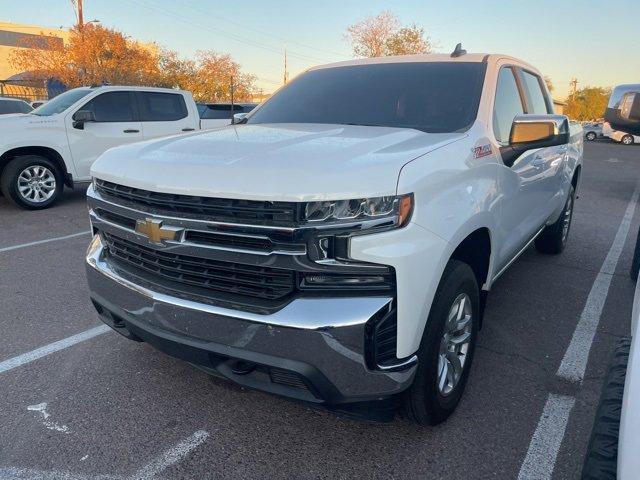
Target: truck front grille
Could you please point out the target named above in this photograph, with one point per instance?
(214, 209)
(175, 270)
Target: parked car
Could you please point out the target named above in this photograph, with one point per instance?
(38, 103)
(56, 144)
(612, 453)
(592, 131)
(13, 105)
(622, 117)
(213, 115)
(338, 245)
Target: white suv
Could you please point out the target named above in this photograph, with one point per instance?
(338, 245)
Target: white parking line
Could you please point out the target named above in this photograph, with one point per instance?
(546, 441)
(40, 242)
(151, 470)
(52, 348)
(576, 357)
(171, 456)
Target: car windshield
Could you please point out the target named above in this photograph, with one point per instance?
(13, 106)
(429, 96)
(60, 103)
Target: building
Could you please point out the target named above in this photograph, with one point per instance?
(14, 36)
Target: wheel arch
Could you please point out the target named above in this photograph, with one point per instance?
(46, 152)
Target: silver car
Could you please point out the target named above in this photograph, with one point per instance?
(592, 131)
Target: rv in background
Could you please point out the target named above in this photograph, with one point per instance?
(622, 118)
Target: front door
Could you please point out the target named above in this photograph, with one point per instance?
(115, 124)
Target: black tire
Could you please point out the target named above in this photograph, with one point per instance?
(553, 238)
(600, 462)
(9, 181)
(627, 140)
(591, 136)
(424, 403)
(635, 264)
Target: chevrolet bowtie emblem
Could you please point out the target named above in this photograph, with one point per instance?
(154, 231)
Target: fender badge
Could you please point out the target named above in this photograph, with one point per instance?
(481, 151)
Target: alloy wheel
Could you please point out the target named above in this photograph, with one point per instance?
(454, 345)
(36, 184)
(566, 222)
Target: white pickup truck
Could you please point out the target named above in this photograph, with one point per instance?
(56, 144)
(337, 246)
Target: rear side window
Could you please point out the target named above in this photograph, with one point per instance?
(11, 106)
(218, 112)
(111, 107)
(161, 107)
(537, 101)
(508, 105)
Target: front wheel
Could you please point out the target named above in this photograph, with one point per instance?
(447, 347)
(590, 136)
(554, 237)
(627, 140)
(31, 182)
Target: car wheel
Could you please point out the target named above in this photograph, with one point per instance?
(554, 237)
(627, 140)
(590, 136)
(447, 347)
(600, 462)
(31, 182)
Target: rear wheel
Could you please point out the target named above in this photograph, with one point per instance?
(31, 182)
(554, 237)
(590, 136)
(447, 347)
(627, 140)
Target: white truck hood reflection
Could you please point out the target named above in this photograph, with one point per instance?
(286, 162)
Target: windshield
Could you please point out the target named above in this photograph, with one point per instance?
(13, 106)
(60, 103)
(429, 96)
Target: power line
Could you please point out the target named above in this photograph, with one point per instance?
(229, 35)
(268, 34)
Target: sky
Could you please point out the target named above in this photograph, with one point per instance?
(596, 41)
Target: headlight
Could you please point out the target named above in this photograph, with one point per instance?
(361, 209)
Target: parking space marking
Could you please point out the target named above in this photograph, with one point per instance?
(46, 240)
(171, 456)
(149, 471)
(574, 362)
(52, 348)
(546, 441)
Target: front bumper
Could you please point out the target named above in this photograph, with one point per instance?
(313, 349)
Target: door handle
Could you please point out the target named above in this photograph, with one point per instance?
(131, 131)
(188, 129)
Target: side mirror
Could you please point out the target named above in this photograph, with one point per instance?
(529, 132)
(239, 118)
(630, 107)
(81, 117)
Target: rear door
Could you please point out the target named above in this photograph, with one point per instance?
(115, 124)
(164, 113)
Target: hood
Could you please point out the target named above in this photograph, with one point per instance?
(285, 162)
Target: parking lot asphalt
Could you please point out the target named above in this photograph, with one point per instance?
(110, 408)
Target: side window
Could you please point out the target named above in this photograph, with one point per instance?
(217, 112)
(537, 101)
(111, 107)
(161, 107)
(507, 105)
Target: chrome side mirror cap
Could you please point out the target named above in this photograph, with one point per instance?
(239, 118)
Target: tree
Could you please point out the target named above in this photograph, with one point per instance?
(384, 35)
(93, 55)
(588, 103)
(549, 83)
(96, 55)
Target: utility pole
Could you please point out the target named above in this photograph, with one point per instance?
(77, 7)
(574, 86)
(285, 77)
